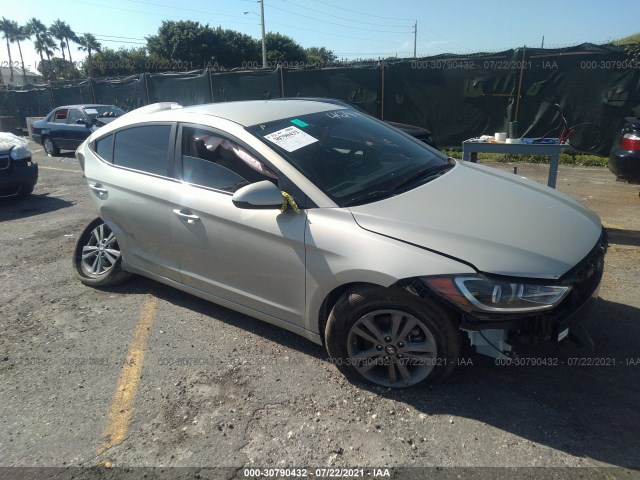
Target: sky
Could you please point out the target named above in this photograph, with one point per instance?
(352, 29)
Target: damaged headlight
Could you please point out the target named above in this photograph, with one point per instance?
(20, 152)
(497, 295)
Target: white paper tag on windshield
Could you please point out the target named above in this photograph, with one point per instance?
(91, 111)
(291, 138)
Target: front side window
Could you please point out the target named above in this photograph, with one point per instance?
(211, 160)
(350, 156)
(143, 148)
(74, 115)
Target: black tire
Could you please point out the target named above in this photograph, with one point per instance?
(50, 146)
(101, 265)
(360, 359)
(25, 191)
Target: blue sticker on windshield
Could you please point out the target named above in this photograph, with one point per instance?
(299, 123)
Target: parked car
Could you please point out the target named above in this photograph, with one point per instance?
(68, 126)
(624, 161)
(420, 133)
(18, 174)
(327, 222)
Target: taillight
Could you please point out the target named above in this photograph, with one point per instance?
(630, 141)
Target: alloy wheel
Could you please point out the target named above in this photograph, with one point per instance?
(392, 348)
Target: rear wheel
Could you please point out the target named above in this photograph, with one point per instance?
(24, 191)
(97, 258)
(391, 338)
(50, 147)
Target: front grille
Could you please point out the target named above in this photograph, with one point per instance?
(586, 275)
(5, 161)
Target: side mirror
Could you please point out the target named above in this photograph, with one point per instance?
(81, 122)
(259, 195)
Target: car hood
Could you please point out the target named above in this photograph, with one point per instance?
(498, 222)
(9, 141)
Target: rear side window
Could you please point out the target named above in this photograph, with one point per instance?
(60, 116)
(104, 148)
(143, 148)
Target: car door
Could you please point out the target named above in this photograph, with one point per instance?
(132, 187)
(76, 132)
(255, 258)
(58, 127)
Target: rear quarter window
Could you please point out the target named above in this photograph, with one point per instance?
(104, 148)
(143, 148)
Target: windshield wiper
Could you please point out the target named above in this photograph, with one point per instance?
(376, 194)
(423, 174)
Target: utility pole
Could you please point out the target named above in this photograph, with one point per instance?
(415, 38)
(264, 46)
(542, 46)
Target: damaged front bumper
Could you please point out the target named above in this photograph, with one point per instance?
(490, 332)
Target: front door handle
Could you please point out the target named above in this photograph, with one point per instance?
(190, 218)
(98, 189)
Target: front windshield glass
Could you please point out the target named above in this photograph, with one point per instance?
(103, 111)
(350, 156)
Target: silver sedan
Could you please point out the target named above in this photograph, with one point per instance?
(330, 223)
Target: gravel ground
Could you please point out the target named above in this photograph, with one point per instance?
(220, 389)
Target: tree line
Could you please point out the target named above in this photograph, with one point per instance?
(177, 46)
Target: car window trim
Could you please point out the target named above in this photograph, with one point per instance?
(171, 167)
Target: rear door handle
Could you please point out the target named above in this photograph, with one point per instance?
(98, 189)
(190, 218)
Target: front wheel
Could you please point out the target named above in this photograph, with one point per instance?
(97, 258)
(391, 338)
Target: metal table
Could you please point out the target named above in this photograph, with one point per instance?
(470, 151)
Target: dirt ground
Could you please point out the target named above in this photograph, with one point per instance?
(219, 389)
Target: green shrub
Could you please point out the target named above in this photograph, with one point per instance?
(569, 157)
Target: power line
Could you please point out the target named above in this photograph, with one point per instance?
(342, 17)
(208, 12)
(119, 41)
(341, 8)
(333, 23)
(294, 27)
(114, 36)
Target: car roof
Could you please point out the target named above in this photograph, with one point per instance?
(253, 112)
(85, 105)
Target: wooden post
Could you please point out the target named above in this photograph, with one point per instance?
(515, 119)
(281, 81)
(210, 84)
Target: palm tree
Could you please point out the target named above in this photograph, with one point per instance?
(45, 45)
(6, 27)
(89, 43)
(57, 31)
(37, 29)
(69, 36)
(19, 33)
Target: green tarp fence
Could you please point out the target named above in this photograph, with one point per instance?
(454, 96)
(252, 85)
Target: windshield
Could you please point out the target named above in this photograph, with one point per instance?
(350, 156)
(103, 111)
